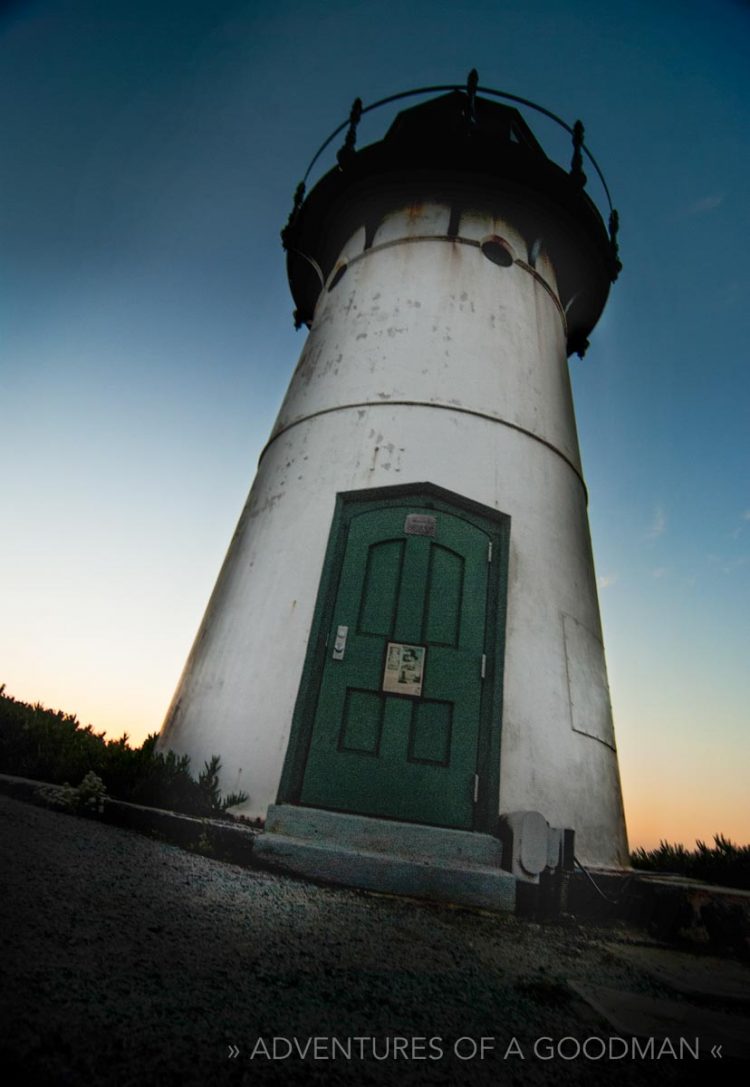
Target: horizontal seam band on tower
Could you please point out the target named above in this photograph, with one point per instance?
(462, 241)
(424, 404)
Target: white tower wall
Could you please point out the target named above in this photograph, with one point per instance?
(426, 362)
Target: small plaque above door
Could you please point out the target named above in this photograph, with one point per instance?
(404, 669)
(420, 524)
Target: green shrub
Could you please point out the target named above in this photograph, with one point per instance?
(88, 797)
(725, 863)
(52, 746)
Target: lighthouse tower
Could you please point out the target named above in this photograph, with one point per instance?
(404, 643)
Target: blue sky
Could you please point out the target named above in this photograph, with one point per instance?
(150, 154)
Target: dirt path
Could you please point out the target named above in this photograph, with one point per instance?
(128, 961)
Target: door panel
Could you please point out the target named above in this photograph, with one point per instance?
(391, 755)
(445, 582)
(377, 613)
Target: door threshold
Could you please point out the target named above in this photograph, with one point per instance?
(449, 866)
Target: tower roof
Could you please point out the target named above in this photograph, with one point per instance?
(454, 139)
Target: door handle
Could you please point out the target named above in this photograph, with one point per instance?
(339, 645)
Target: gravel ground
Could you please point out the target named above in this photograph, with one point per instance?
(128, 961)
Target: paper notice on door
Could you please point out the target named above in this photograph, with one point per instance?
(404, 669)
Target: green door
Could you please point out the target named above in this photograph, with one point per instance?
(397, 722)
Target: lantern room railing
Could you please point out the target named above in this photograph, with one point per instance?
(471, 88)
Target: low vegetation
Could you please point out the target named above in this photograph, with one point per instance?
(88, 797)
(52, 746)
(724, 863)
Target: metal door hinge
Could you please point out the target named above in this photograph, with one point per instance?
(489, 551)
(339, 645)
(476, 788)
(484, 665)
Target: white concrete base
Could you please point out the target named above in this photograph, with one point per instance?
(388, 857)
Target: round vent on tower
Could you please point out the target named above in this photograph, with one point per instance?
(497, 250)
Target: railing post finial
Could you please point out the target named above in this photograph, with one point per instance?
(471, 93)
(346, 151)
(576, 166)
(614, 226)
(299, 196)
